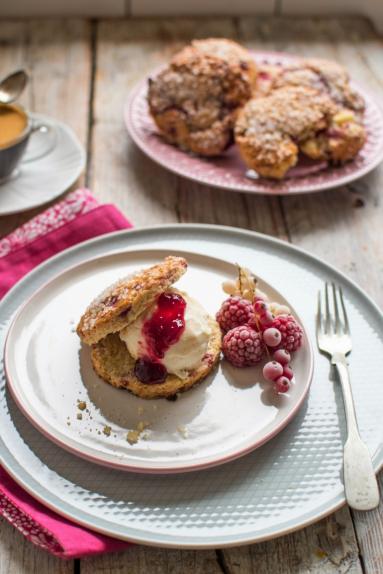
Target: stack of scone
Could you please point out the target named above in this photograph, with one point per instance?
(148, 337)
(212, 94)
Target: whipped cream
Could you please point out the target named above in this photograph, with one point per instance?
(186, 354)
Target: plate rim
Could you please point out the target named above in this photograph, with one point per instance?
(76, 173)
(18, 473)
(161, 470)
(314, 187)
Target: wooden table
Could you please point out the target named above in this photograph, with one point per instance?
(81, 74)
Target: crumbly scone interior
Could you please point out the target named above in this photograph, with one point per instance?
(113, 363)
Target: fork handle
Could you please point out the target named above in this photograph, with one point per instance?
(360, 484)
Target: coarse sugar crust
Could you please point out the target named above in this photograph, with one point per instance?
(114, 364)
(194, 101)
(121, 303)
(326, 76)
(268, 129)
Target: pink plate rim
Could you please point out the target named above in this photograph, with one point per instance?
(134, 468)
(141, 129)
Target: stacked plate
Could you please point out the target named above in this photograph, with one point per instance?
(250, 476)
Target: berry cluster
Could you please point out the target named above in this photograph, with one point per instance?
(252, 330)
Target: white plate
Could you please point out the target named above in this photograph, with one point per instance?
(293, 480)
(231, 413)
(40, 180)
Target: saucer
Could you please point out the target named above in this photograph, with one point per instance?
(41, 177)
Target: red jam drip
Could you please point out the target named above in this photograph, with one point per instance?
(150, 373)
(162, 330)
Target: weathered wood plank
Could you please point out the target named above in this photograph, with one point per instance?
(366, 63)
(148, 194)
(199, 203)
(325, 548)
(145, 560)
(348, 217)
(127, 51)
(328, 547)
(58, 57)
(57, 54)
(151, 195)
(344, 225)
(18, 556)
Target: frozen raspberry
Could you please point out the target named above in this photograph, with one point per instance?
(291, 332)
(242, 346)
(272, 370)
(282, 356)
(272, 337)
(254, 323)
(288, 372)
(234, 311)
(282, 385)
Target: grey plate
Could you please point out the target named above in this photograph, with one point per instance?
(293, 480)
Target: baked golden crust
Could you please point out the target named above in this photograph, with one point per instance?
(112, 362)
(121, 303)
(194, 101)
(269, 129)
(325, 76)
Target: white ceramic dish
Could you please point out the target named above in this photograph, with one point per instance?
(37, 181)
(291, 481)
(49, 371)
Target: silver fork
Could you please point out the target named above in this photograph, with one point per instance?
(333, 338)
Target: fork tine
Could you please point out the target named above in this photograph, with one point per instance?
(345, 318)
(327, 307)
(319, 325)
(338, 325)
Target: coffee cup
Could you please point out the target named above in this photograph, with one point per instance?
(16, 127)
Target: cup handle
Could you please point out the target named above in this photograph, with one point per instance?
(49, 132)
(39, 127)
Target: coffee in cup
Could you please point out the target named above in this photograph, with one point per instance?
(15, 129)
(13, 122)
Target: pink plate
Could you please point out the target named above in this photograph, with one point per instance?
(229, 172)
(49, 374)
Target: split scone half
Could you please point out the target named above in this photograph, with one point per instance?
(149, 337)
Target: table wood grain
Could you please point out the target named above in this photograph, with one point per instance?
(81, 73)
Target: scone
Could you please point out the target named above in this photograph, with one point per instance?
(194, 101)
(162, 345)
(121, 303)
(326, 76)
(269, 130)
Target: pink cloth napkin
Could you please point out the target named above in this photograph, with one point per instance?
(75, 219)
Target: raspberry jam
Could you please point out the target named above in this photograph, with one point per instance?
(149, 372)
(162, 330)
